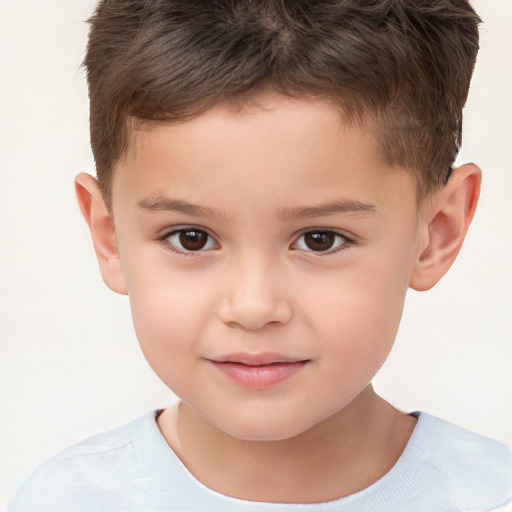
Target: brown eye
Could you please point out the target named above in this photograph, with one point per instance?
(186, 240)
(193, 239)
(321, 241)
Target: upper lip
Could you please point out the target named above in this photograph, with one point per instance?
(257, 359)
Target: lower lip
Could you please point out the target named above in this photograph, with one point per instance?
(259, 377)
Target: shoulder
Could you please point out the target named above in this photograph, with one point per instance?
(472, 470)
(457, 444)
(91, 471)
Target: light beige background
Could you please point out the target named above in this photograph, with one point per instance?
(70, 365)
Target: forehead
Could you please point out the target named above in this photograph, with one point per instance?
(269, 147)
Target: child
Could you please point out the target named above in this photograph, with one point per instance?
(272, 177)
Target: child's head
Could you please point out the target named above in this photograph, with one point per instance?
(260, 165)
(400, 68)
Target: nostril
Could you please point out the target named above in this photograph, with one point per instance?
(254, 317)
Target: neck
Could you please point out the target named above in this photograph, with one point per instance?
(345, 453)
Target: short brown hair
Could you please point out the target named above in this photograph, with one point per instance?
(405, 65)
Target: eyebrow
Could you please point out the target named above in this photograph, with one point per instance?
(165, 204)
(330, 208)
(157, 204)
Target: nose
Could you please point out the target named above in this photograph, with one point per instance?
(254, 297)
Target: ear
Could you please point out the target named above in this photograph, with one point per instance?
(101, 224)
(444, 222)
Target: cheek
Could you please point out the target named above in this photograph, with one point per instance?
(164, 298)
(362, 324)
(169, 313)
(359, 318)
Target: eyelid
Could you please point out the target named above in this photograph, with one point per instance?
(163, 238)
(348, 240)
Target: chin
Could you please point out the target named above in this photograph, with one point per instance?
(263, 435)
(266, 430)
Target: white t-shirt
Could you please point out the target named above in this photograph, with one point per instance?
(132, 468)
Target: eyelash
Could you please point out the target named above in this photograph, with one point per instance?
(170, 247)
(347, 242)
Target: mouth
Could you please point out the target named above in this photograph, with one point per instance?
(258, 371)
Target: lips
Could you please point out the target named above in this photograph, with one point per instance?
(257, 371)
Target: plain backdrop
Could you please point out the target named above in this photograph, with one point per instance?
(70, 365)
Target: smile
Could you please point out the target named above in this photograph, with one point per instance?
(257, 371)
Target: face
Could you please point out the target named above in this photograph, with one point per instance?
(266, 254)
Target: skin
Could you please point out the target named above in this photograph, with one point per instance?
(258, 287)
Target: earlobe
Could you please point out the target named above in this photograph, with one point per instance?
(101, 224)
(443, 226)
